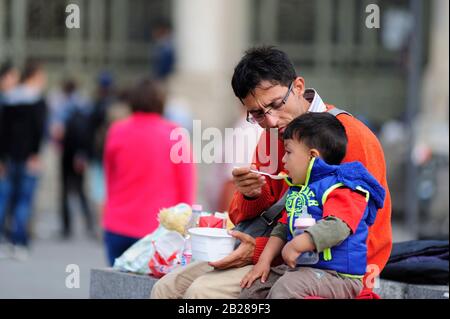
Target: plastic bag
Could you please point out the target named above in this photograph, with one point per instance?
(167, 254)
(135, 259)
(211, 222)
(217, 220)
(175, 218)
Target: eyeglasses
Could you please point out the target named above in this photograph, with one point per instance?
(260, 115)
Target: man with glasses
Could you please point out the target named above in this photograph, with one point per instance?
(266, 83)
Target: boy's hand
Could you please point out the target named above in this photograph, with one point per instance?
(290, 254)
(259, 270)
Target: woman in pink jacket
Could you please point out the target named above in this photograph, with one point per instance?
(140, 176)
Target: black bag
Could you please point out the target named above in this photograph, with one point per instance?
(262, 225)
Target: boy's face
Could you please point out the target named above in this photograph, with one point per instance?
(296, 160)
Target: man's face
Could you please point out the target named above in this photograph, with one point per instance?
(269, 96)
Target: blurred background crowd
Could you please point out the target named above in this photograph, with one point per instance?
(61, 90)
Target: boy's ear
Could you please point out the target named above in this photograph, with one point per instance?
(314, 152)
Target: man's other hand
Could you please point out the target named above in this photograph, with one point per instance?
(240, 257)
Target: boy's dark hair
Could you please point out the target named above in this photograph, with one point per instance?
(261, 64)
(147, 96)
(322, 131)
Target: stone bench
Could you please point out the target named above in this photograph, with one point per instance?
(111, 284)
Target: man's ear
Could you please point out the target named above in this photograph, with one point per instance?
(299, 84)
(314, 152)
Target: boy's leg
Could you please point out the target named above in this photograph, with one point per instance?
(305, 282)
(218, 284)
(174, 284)
(260, 290)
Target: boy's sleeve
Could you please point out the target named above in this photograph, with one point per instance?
(328, 232)
(342, 213)
(347, 205)
(280, 231)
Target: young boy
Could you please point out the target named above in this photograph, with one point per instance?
(343, 199)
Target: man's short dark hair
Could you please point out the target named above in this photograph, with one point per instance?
(321, 131)
(262, 64)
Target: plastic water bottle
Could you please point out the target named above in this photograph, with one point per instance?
(186, 256)
(301, 224)
(195, 216)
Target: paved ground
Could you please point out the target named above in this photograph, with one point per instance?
(44, 274)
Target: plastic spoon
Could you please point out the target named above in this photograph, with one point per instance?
(278, 177)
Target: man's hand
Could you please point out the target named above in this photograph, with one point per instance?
(248, 183)
(242, 256)
(260, 270)
(290, 254)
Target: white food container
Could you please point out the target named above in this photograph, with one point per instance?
(210, 244)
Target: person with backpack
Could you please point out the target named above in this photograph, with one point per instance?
(74, 135)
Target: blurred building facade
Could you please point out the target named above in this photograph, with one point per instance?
(328, 41)
(359, 69)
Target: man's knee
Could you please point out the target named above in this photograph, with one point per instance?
(159, 290)
(165, 288)
(175, 284)
(199, 289)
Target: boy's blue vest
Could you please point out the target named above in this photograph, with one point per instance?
(350, 257)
